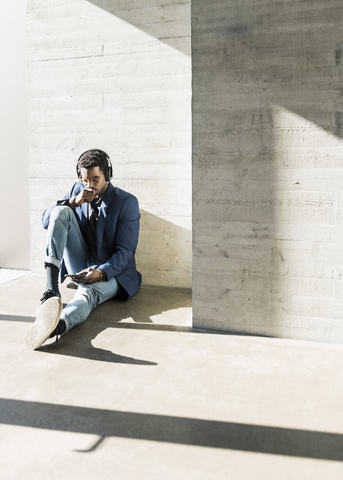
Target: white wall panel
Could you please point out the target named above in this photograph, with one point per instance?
(15, 230)
(117, 76)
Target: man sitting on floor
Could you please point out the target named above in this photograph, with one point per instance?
(92, 235)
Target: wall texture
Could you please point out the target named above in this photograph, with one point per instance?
(115, 75)
(268, 167)
(15, 229)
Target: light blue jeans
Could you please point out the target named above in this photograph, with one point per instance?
(65, 241)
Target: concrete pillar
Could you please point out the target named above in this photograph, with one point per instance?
(268, 168)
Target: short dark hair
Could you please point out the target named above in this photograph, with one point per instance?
(93, 158)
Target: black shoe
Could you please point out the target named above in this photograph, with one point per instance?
(59, 330)
(48, 294)
(47, 319)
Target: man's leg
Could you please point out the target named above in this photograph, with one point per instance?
(63, 238)
(86, 299)
(60, 243)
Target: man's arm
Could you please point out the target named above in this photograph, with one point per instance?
(126, 240)
(74, 198)
(64, 201)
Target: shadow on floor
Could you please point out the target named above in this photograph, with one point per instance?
(179, 430)
(78, 343)
(16, 318)
(147, 303)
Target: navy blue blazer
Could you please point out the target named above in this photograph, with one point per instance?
(117, 234)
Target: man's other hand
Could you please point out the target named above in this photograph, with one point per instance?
(86, 196)
(92, 276)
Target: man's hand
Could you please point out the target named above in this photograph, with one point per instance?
(86, 196)
(92, 276)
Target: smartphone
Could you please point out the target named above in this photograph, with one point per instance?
(76, 276)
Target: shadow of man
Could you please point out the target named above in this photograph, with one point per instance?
(150, 301)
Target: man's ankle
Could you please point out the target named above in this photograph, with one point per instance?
(60, 329)
(52, 273)
(49, 294)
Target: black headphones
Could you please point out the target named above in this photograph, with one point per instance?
(108, 169)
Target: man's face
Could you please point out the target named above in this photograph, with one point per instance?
(94, 178)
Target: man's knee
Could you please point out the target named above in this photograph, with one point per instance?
(89, 295)
(61, 213)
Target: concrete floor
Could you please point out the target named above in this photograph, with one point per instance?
(134, 393)
(7, 275)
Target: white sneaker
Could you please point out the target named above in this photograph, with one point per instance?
(46, 321)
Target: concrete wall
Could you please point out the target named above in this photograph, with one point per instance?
(268, 167)
(15, 229)
(115, 75)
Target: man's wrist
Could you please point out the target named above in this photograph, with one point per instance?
(103, 276)
(72, 202)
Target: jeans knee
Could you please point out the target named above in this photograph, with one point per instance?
(88, 295)
(61, 212)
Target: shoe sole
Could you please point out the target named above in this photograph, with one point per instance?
(46, 321)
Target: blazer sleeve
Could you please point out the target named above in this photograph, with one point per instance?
(63, 201)
(126, 239)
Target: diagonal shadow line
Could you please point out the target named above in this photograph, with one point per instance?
(154, 327)
(88, 351)
(17, 318)
(139, 326)
(171, 429)
(181, 329)
(168, 31)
